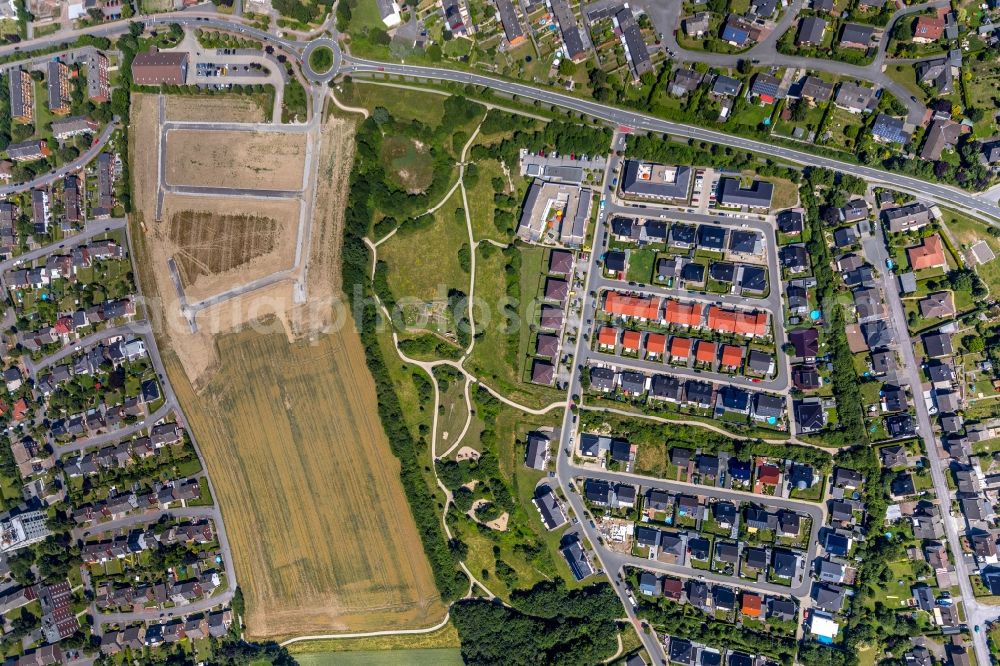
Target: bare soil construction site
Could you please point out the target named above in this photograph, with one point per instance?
(219, 243)
(271, 375)
(214, 109)
(237, 159)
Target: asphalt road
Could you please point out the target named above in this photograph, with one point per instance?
(93, 229)
(772, 303)
(814, 511)
(352, 65)
(121, 434)
(666, 18)
(127, 330)
(610, 561)
(946, 194)
(629, 119)
(68, 168)
(875, 253)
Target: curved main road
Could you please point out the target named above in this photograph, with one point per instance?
(352, 65)
(947, 194)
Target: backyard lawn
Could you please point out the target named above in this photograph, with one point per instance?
(966, 232)
(843, 127)
(983, 88)
(640, 265)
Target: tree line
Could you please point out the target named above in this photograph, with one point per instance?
(367, 179)
(547, 624)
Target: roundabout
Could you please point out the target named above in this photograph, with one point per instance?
(321, 59)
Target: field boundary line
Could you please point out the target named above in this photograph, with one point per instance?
(388, 632)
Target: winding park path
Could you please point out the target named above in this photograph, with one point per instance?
(701, 424)
(369, 634)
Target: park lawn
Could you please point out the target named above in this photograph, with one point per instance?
(415, 393)
(364, 16)
(403, 103)
(640, 265)
(481, 205)
(489, 361)
(429, 274)
(445, 637)
(452, 415)
(524, 528)
(409, 164)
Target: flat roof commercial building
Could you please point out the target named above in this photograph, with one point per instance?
(656, 181)
(555, 210)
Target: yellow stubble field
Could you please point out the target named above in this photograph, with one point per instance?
(323, 540)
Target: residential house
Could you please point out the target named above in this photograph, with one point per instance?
(811, 31)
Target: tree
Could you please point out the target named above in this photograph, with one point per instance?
(567, 67)
(961, 279)
(973, 344)
(904, 30)
(799, 111)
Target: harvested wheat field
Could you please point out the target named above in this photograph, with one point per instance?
(321, 534)
(283, 409)
(214, 109)
(246, 160)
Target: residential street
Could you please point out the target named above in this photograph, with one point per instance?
(666, 16)
(93, 229)
(581, 324)
(68, 168)
(874, 250)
